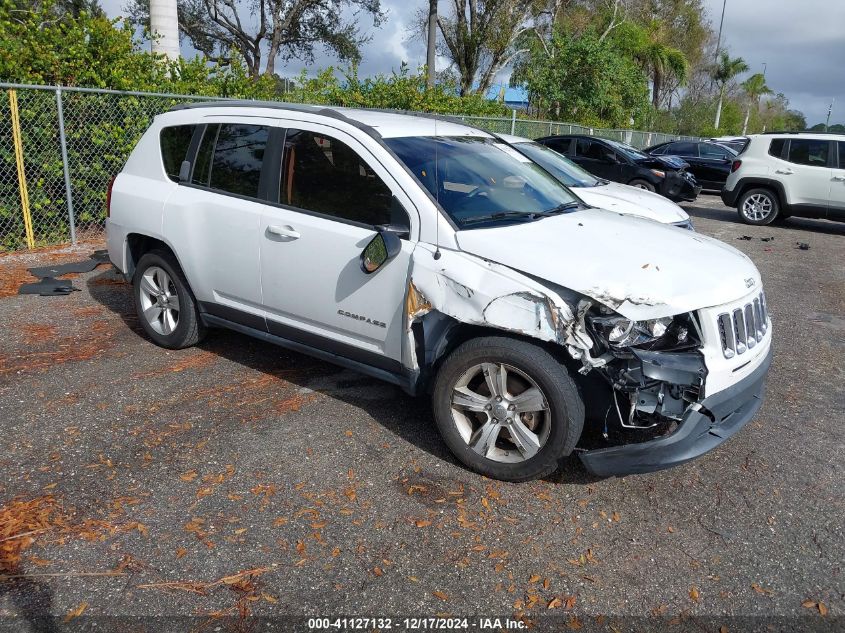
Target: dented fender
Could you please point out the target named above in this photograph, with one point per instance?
(477, 291)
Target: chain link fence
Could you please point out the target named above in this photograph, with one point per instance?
(60, 147)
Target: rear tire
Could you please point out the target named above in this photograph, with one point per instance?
(517, 432)
(758, 207)
(642, 184)
(164, 302)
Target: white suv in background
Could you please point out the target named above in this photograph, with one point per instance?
(435, 256)
(780, 175)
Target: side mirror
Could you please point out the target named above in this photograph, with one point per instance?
(384, 246)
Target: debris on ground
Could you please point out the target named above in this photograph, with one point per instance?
(803, 246)
(48, 287)
(746, 238)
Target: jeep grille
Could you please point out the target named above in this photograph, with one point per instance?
(744, 327)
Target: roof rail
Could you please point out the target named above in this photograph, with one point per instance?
(279, 105)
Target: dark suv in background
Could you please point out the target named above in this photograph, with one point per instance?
(710, 163)
(619, 162)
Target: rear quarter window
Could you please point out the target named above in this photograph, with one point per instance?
(174, 142)
(776, 147)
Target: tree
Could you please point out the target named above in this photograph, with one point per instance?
(658, 58)
(582, 78)
(479, 38)
(723, 72)
(755, 87)
(285, 29)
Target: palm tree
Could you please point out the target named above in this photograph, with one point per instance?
(659, 59)
(722, 72)
(755, 87)
(164, 27)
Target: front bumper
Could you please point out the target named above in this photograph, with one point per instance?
(697, 433)
(676, 186)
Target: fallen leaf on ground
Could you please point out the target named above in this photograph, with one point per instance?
(440, 594)
(694, 594)
(75, 613)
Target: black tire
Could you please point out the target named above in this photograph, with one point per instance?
(766, 198)
(564, 420)
(189, 329)
(639, 183)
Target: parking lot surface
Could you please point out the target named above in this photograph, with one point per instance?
(238, 479)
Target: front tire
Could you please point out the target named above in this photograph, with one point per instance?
(642, 184)
(164, 302)
(507, 408)
(758, 207)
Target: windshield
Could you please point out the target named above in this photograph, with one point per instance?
(631, 152)
(480, 180)
(558, 165)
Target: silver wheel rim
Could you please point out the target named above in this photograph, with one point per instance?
(500, 412)
(640, 185)
(159, 300)
(757, 207)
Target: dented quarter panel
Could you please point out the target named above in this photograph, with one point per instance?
(641, 269)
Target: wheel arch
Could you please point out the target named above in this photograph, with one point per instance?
(744, 184)
(436, 335)
(137, 244)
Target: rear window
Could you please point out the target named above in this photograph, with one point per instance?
(174, 142)
(804, 151)
(841, 154)
(776, 147)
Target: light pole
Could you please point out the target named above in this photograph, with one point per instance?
(829, 110)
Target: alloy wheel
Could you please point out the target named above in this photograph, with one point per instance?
(159, 300)
(757, 207)
(500, 412)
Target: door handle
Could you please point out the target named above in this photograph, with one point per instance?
(283, 231)
(838, 178)
(784, 171)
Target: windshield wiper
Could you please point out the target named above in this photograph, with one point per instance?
(502, 215)
(563, 208)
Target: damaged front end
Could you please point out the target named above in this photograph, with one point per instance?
(653, 372)
(658, 386)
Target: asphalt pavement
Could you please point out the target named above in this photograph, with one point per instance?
(237, 480)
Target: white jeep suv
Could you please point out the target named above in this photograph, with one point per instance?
(780, 175)
(437, 257)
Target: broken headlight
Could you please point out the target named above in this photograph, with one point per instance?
(619, 332)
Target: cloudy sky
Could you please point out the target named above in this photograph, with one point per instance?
(801, 42)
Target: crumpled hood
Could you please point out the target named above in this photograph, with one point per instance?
(614, 196)
(639, 268)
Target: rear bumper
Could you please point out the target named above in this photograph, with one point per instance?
(728, 197)
(697, 433)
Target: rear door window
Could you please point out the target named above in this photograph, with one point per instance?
(713, 151)
(560, 145)
(841, 145)
(683, 149)
(238, 158)
(174, 142)
(804, 151)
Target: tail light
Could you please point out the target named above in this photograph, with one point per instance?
(735, 165)
(108, 196)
